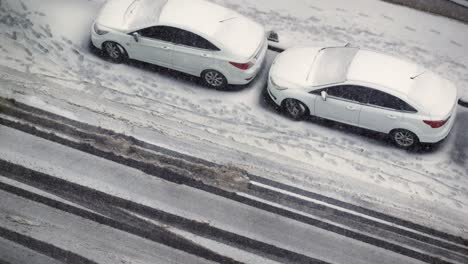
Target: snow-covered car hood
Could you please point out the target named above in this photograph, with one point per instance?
(292, 67)
(129, 15)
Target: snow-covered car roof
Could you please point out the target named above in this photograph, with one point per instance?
(349, 64)
(402, 78)
(194, 15)
(393, 73)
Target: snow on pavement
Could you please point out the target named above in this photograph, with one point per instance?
(181, 200)
(46, 62)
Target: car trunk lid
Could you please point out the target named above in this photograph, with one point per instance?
(436, 94)
(241, 36)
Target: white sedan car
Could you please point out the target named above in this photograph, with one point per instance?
(192, 36)
(366, 89)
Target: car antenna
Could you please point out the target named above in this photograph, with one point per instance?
(224, 20)
(414, 77)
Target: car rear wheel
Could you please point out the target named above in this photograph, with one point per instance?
(214, 79)
(404, 138)
(114, 52)
(295, 109)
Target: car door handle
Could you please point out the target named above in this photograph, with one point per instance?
(166, 47)
(352, 108)
(391, 116)
(204, 55)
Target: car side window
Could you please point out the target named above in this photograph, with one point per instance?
(350, 92)
(159, 33)
(379, 98)
(186, 38)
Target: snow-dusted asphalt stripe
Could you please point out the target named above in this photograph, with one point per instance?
(44, 248)
(61, 123)
(145, 230)
(374, 214)
(352, 219)
(69, 190)
(85, 127)
(22, 173)
(338, 230)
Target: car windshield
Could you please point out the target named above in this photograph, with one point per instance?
(143, 13)
(331, 65)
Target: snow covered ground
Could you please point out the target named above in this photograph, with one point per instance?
(45, 61)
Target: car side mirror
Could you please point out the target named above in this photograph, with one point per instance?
(324, 95)
(136, 36)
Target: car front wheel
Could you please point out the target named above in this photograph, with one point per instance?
(404, 138)
(295, 109)
(214, 79)
(115, 52)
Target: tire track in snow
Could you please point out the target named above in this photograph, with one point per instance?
(132, 224)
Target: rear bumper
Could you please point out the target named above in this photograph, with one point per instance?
(439, 134)
(244, 77)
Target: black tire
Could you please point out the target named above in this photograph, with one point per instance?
(295, 109)
(114, 51)
(404, 139)
(214, 79)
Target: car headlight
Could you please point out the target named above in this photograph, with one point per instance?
(99, 30)
(275, 84)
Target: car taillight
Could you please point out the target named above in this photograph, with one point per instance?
(436, 124)
(242, 66)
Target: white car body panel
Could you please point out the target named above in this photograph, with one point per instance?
(380, 119)
(153, 51)
(190, 60)
(239, 39)
(433, 97)
(338, 110)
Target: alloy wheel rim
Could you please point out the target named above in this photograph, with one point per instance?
(113, 50)
(214, 79)
(404, 138)
(294, 108)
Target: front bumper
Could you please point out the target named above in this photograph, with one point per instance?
(96, 39)
(274, 94)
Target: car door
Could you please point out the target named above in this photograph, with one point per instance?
(154, 46)
(192, 53)
(343, 104)
(383, 112)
